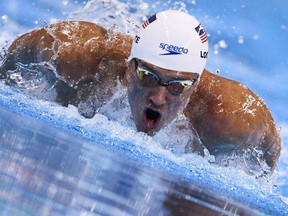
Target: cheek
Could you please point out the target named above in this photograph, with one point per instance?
(179, 103)
(176, 105)
(136, 95)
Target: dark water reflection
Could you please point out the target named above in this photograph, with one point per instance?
(45, 171)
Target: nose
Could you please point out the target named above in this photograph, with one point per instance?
(158, 97)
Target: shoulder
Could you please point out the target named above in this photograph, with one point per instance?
(224, 111)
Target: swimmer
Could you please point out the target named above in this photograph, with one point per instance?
(163, 68)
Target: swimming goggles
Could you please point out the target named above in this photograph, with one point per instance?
(150, 79)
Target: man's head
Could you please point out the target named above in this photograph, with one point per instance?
(167, 57)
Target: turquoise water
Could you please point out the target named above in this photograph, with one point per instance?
(55, 162)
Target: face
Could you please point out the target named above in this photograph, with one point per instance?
(155, 96)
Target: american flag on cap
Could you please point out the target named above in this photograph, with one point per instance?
(201, 32)
(150, 20)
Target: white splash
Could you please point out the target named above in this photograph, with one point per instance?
(249, 102)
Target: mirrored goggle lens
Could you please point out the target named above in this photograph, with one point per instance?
(175, 87)
(147, 78)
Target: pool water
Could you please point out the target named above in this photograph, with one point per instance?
(47, 171)
(55, 162)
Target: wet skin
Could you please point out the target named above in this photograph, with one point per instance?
(154, 107)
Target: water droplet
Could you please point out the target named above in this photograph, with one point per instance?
(222, 44)
(65, 2)
(241, 39)
(4, 17)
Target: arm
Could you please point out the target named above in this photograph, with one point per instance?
(225, 112)
(73, 55)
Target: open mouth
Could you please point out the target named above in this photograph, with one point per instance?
(151, 118)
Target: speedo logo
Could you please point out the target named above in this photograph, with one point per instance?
(172, 50)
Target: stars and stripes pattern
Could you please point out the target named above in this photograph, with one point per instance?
(149, 21)
(201, 32)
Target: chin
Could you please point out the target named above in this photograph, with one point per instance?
(153, 132)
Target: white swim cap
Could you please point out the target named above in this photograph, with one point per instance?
(172, 40)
